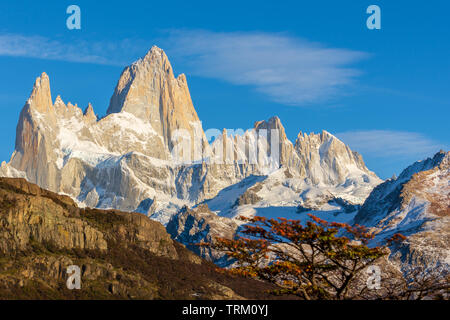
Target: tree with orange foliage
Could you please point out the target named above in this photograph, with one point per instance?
(313, 261)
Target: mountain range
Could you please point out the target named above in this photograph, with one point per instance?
(150, 154)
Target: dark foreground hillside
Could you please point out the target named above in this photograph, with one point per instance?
(121, 255)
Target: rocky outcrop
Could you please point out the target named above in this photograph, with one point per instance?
(121, 255)
(31, 214)
(250, 196)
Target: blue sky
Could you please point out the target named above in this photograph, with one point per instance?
(313, 63)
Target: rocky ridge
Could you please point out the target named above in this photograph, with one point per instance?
(121, 255)
(417, 205)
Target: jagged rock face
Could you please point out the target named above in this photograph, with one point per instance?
(327, 159)
(262, 149)
(101, 163)
(121, 255)
(33, 150)
(89, 114)
(136, 153)
(417, 205)
(149, 90)
(276, 135)
(427, 179)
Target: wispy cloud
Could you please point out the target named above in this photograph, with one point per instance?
(386, 143)
(289, 70)
(97, 52)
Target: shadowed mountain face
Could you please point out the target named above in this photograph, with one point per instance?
(121, 255)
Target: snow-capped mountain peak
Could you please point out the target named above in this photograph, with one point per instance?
(129, 158)
(417, 205)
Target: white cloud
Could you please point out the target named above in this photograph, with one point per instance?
(289, 70)
(100, 52)
(386, 143)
